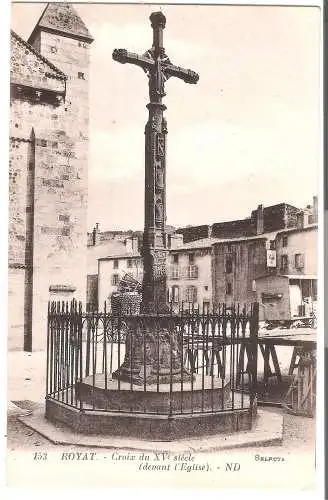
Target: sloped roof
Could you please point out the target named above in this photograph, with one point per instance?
(105, 250)
(127, 255)
(202, 243)
(51, 66)
(62, 18)
(29, 67)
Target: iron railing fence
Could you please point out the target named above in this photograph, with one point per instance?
(186, 362)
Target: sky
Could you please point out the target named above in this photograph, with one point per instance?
(247, 133)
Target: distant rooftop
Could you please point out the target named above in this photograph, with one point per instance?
(127, 255)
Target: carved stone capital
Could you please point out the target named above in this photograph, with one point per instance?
(157, 20)
(120, 55)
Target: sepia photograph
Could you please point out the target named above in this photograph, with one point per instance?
(163, 212)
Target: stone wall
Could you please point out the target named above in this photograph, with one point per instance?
(57, 234)
(234, 283)
(232, 229)
(29, 68)
(194, 233)
(277, 217)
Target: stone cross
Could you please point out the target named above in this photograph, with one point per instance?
(158, 68)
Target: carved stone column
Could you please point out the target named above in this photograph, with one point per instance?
(154, 295)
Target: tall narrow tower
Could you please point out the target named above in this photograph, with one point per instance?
(61, 162)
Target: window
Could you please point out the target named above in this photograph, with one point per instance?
(175, 273)
(80, 75)
(229, 289)
(191, 258)
(115, 265)
(175, 294)
(191, 294)
(206, 288)
(228, 265)
(299, 261)
(115, 279)
(129, 263)
(206, 307)
(192, 272)
(64, 218)
(285, 241)
(272, 244)
(284, 263)
(176, 258)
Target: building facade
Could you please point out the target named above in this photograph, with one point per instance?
(262, 220)
(113, 255)
(111, 270)
(278, 270)
(211, 271)
(291, 291)
(48, 172)
(189, 278)
(236, 265)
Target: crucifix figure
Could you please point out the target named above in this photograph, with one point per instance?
(159, 69)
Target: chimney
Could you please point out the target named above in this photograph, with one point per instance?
(176, 241)
(128, 244)
(259, 220)
(131, 244)
(95, 235)
(135, 243)
(315, 209)
(300, 220)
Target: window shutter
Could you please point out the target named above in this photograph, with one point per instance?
(175, 294)
(186, 294)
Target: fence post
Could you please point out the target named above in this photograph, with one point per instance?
(88, 346)
(48, 344)
(254, 330)
(80, 345)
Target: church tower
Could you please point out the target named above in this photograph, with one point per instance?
(51, 110)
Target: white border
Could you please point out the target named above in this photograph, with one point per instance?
(11, 493)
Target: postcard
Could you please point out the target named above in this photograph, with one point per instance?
(163, 225)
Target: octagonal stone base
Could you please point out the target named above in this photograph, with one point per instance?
(155, 415)
(149, 427)
(203, 394)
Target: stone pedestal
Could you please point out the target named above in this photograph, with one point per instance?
(152, 358)
(203, 394)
